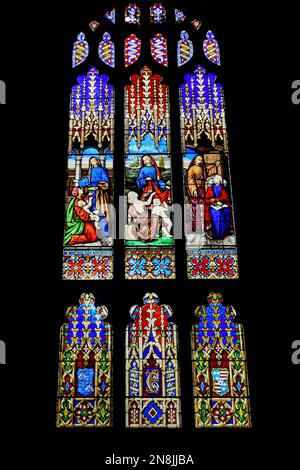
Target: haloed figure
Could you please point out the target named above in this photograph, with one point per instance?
(150, 180)
(217, 210)
(97, 182)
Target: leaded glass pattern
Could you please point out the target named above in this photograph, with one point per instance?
(209, 218)
(88, 240)
(85, 367)
(220, 382)
(152, 368)
(149, 240)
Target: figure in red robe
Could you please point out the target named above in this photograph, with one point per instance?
(79, 229)
(150, 180)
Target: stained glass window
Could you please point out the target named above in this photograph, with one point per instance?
(149, 236)
(196, 24)
(159, 49)
(211, 48)
(158, 13)
(107, 50)
(132, 14)
(84, 384)
(132, 50)
(88, 252)
(185, 49)
(179, 16)
(94, 25)
(80, 50)
(153, 391)
(111, 15)
(209, 222)
(221, 392)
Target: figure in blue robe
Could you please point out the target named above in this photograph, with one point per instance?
(217, 220)
(97, 182)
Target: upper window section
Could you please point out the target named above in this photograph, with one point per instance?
(144, 32)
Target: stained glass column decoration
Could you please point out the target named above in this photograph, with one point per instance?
(152, 371)
(88, 239)
(85, 367)
(149, 240)
(209, 218)
(220, 382)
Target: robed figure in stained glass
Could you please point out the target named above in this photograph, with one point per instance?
(217, 212)
(150, 180)
(97, 182)
(79, 219)
(197, 174)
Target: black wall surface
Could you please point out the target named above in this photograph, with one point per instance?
(259, 53)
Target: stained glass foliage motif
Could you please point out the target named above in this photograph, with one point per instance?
(209, 218)
(80, 50)
(107, 50)
(132, 50)
(132, 14)
(158, 13)
(221, 391)
(211, 48)
(94, 25)
(85, 367)
(88, 251)
(179, 16)
(149, 239)
(159, 49)
(111, 16)
(152, 368)
(185, 49)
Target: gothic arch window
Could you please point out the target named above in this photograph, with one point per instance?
(88, 251)
(152, 368)
(221, 391)
(85, 354)
(165, 65)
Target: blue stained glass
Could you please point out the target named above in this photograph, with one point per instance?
(111, 16)
(179, 16)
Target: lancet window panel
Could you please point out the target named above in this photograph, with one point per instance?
(209, 217)
(84, 396)
(89, 221)
(149, 238)
(220, 382)
(152, 368)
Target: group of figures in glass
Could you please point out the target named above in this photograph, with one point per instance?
(149, 232)
(153, 396)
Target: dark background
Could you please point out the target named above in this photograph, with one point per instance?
(259, 52)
